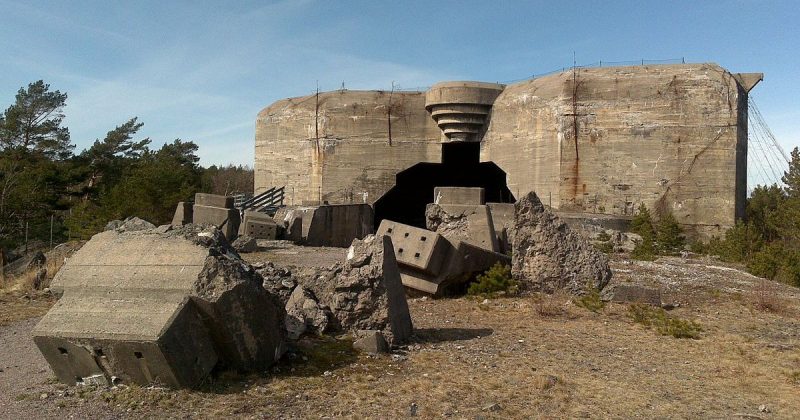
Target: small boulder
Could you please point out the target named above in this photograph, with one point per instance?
(549, 256)
(371, 341)
(245, 244)
(304, 313)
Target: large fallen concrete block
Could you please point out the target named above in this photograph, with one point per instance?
(327, 225)
(366, 292)
(258, 225)
(549, 256)
(158, 307)
(431, 263)
(468, 223)
(226, 219)
(120, 335)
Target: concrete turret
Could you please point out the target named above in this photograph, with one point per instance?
(460, 108)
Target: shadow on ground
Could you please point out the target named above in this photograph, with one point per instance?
(440, 335)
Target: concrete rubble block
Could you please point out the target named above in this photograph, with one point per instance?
(161, 307)
(278, 281)
(213, 200)
(503, 221)
(304, 313)
(290, 222)
(225, 219)
(245, 244)
(366, 292)
(548, 255)
(459, 195)
(338, 225)
(370, 341)
(327, 225)
(259, 229)
(443, 267)
(183, 214)
(141, 339)
(416, 248)
(632, 293)
(469, 223)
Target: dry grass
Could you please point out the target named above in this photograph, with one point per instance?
(765, 297)
(517, 357)
(551, 305)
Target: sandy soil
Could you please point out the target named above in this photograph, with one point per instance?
(516, 357)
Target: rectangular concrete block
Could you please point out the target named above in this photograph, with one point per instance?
(226, 219)
(459, 195)
(213, 200)
(133, 337)
(436, 265)
(183, 214)
(259, 229)
(140, 307)
(414, 247)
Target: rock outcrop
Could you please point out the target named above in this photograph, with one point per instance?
(548, 255)
(365, 292)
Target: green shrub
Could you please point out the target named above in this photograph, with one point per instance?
(664, 324)
(495, 280)
(603, 243)
(642, 223)
(591, 301)
(669, 234)
(645, 250)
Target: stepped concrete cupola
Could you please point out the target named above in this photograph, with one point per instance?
(461, 108)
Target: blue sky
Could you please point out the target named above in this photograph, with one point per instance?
(201, 71)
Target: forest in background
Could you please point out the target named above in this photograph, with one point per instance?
(49, 190)
(50, 193)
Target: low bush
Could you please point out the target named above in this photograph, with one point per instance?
(663, 323)
(591, 301)
(496, 280)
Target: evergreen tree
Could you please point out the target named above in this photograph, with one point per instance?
(33, 122)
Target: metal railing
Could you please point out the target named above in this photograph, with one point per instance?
(268, 201)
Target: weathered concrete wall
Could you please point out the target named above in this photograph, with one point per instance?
(672, 137)
(343, 153)
(601, 140)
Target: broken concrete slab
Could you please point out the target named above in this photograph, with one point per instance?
(459, 195)
(131, 336)
(158, 292)
(258, 225)
(549, 256)
(245, 244)
(503, 220)
(468, 223)
(183, 214)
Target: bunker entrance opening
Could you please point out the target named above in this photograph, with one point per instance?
(460, 167)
